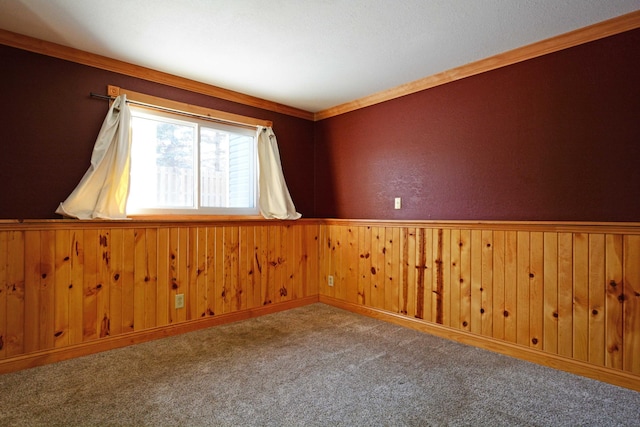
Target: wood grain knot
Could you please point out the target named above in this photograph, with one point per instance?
(105, 327)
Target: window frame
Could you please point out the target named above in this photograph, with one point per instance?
(175, 108)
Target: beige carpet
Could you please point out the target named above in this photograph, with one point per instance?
(311, 366)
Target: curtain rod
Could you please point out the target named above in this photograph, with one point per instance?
(172, 110)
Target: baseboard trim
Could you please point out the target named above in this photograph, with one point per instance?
(573, 366)
(45, 357)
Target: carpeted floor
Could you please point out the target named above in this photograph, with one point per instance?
(311, 366)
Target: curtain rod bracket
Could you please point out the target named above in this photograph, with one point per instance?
(105, 97)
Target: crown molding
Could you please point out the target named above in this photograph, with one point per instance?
(577, 37)
(102, 62)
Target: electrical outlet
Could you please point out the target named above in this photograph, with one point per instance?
(180, 301)
(330, 280)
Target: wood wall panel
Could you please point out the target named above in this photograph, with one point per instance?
(631, 304)
(67, 285)
(550, 290)
(568, 293)
(597, 285)
(573, 293)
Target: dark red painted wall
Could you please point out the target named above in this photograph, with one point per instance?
(552, 138)
(49, 124)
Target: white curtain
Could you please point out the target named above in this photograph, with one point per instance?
(274, 198)
(103, 190)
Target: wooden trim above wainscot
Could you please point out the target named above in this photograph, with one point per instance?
(212, 221)
(552, 226)
(145, 222)
(104, 63)
(580, 36)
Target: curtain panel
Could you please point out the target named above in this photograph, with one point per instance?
(274, 199)
(103, 190)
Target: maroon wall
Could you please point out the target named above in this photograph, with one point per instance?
(49, 125)
(552, 138)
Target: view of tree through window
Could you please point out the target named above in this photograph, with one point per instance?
(180, 164)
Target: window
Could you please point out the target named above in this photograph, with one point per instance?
(185, 165)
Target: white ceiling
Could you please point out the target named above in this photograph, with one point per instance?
(309, 54)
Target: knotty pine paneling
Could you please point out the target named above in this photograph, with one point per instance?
(572, 293)
(62, 285)
(567, 293)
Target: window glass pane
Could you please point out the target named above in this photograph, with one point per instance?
(227, 164)
(241, 171)
(162, 163)
(214, 168)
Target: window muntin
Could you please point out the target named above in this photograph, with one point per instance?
(191, 166)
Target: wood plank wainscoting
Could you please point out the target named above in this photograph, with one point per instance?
(565, 295)
(562, 295)
(71, 288)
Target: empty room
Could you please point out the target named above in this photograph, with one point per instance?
(364, 212)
